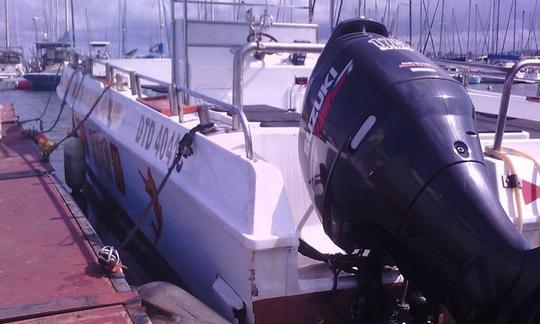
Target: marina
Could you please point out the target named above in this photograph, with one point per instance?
(254, 162)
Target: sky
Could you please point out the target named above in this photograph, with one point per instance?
(143, 21)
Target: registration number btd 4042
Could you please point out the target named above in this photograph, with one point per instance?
(157, 139)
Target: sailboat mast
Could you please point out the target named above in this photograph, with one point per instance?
(161, 27)
(388, 13)
(6, 8)
(88, 30)
(365, 6)
(522, 29)
(476, 30)
(17, 24)
(468, 31)
(72, 22)
(56, 33)
(515, 16)
(410, 22)
(421, 26)
(442, 31)
(453, 33)
(66, 11)
(498, 2)
(123, 27)
(332, 8)
(490, 27)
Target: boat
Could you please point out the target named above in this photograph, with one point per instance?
(44, 69)
(322, 216)
(100, 50)
(533, 74)
(11, 62)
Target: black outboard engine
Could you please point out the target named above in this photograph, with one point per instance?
(391, 157)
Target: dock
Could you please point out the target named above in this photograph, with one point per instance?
(48, 264)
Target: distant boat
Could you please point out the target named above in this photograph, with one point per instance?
(11, 62)
(100, 50)
(46, 62)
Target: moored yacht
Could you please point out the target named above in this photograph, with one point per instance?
(45, 66)
(271, 216)
(11, 62)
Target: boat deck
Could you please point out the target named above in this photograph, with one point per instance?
(48, 265)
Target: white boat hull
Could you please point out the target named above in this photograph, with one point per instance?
(204, 224)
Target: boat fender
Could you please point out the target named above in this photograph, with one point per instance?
(109, 258)
(177, 302)
(24, 85)
(45, 144)
(74, 163)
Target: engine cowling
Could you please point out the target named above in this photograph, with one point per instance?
(389, 150)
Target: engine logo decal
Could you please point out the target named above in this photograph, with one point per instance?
(418, 66)
(389, 44)
(327, 93)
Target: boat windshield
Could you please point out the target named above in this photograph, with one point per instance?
(11, 55)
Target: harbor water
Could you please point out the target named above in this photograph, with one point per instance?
(142, 261)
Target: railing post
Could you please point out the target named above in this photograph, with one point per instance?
(466, 79)
(120, 81)
(173, 101)
(138, 85)
(75, 60)
(89, 66)
(108, 73)
(133, 83)
(505, 99)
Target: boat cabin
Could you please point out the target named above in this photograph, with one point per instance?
(49, 54)
(100, 50)
(11, 62)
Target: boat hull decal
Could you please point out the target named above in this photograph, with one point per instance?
(151, 188)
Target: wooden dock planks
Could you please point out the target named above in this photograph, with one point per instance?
(48, 270)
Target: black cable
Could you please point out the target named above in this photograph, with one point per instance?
(184, 151)
(73, 132)
(46, 105)
(250, 37)
(62, 105)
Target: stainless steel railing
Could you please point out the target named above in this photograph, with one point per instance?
(506, 73)
(174, 92)
(238, 5)
(249, 48)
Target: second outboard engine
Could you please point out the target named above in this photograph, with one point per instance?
(391, 157)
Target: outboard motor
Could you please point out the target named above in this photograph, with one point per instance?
(390, 153)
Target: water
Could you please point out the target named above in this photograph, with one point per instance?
(143, 262)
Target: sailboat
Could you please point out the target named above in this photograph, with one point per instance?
(11, 57)
(11, 62)
(377, 202)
